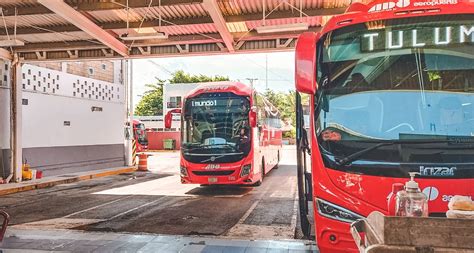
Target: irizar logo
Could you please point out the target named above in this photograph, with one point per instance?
(437, 171)
(212, 166)
(390, 5)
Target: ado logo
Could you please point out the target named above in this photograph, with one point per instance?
(390, 5)
(431, 193)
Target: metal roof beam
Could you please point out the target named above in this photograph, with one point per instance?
(119, 4)
(84, 45)
(5, 54)
(268, 45)
(85, 24)
(109, 26)
(179, 21)
(172, 40)
(96, 5)
(214, 11)
(286, 14)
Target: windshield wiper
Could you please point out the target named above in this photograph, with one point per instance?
(213, 158)
(352, 157)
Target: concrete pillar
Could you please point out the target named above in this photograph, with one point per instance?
(118, 77)
(16, 120)
(127, 83)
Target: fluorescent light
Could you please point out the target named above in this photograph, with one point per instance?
(237, 27)
(145, 36)
(282, 28)
(145, 30)
(11, 43)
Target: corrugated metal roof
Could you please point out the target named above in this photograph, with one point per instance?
(137, 14)
(312, 21)
(38, 20)
(188, 29)
(47, 37)
(19, 3)
(238, 7)
(43, 20)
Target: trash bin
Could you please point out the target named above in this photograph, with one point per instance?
(169, 144)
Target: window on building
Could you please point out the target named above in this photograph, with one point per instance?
(90, 70)
(174, 102)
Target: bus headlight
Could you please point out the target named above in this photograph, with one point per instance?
(336, 212)
(183, 171)
(245, 170)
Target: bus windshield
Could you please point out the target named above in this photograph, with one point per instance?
(215, 128)
(403, 79)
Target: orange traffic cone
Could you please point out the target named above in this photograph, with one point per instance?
(142, 162)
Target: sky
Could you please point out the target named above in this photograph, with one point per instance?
(238, 67)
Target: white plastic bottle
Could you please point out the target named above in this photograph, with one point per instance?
(411, 202)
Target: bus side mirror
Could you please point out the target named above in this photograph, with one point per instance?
(253, 118)
(169, 117)
(305, 63)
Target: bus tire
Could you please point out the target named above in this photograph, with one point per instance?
(258, 183)
(262, 171)
(278, 160)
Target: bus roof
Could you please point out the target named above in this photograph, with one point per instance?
(394, 9)
(226, 86)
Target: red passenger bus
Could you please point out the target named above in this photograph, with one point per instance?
(140, 136)
(392, 91)
(229, 135)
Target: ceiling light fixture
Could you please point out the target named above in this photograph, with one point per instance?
(144, 36)
(282, 28)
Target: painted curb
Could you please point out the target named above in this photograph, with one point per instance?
(68, 180)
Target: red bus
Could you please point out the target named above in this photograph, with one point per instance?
(229, 135)
(140, 135)
(392, 91)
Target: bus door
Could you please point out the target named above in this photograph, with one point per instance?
(305, 186)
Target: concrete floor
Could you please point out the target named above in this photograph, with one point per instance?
(42, 241)
(158, 203)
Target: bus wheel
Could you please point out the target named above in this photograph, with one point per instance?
(278, 160)
(262, 171)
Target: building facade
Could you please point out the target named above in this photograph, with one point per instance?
(72, 116)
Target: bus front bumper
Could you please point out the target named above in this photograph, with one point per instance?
(333, 236)
(202, 177)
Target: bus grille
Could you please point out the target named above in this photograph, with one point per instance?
(214, 173)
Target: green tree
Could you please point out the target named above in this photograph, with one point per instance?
(286, 104)
(151, 104)
(181, 77)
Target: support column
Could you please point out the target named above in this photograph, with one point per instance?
(16, 133)
(128, 112)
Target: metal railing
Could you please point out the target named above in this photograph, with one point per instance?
(6, 219)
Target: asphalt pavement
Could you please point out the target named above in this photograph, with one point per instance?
(157, 203)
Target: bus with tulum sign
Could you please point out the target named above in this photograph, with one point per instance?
(230, 134)
(392, 92)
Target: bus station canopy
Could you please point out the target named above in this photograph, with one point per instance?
(57, 30)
